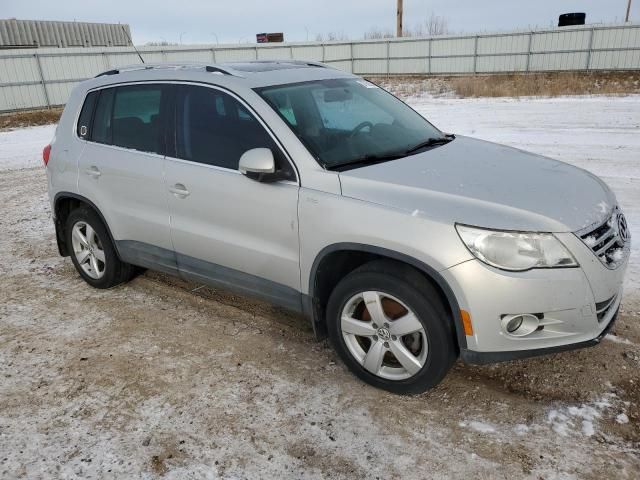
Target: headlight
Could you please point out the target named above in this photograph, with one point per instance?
(516, 250)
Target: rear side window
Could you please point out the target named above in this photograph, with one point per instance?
(214, 128)
(101, 130)
(129, 117)
(84, 121)
(136, 118)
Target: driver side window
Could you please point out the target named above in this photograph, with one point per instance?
(214, 128)
(346, 112)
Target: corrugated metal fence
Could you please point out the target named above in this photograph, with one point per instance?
(44, 77)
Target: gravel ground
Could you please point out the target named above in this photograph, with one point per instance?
(162, 378)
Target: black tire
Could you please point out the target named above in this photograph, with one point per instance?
(411, 288)
(115, 270)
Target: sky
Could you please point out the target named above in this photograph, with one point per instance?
(237, 21)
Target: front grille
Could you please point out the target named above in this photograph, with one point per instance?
(608, 241)
(603, 308)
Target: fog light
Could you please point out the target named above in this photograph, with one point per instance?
(520, 325)
(514, 324)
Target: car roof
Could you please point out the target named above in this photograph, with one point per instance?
(251, 74)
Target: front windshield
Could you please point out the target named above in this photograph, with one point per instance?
(349, 121)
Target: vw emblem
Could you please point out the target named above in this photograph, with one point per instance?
(384, 334)
(623, 229)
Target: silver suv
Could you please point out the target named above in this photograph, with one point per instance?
(319, 191)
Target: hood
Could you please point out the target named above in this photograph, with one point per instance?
(480, 183)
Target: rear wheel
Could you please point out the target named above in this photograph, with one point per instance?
(389, 326)
(92, 252)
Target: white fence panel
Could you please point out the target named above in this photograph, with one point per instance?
(615, 60)
(409, 49)
(501, 63)
(559, 61)
(616, 38)
(452, 65)
(503, 44)
(370, 50)
(344, 65)
(337, 52)
(22, 97)
(59, 92)
(370, 67)
(236, 55)
(449, 47)
(281, 53)
(74, 67)
(561, 41)
(191, 56)
(313, 53)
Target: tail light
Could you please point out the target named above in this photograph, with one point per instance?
(46, 152)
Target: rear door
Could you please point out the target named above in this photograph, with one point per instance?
(227, 229)
(121, 170)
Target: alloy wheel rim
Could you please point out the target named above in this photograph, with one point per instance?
(87, 248)
(384, 335)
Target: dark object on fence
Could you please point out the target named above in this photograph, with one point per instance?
(567, 19)
(270, 37)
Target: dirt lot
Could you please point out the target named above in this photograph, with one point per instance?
(162, 378)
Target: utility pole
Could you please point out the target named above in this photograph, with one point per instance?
(399, 19)
(628, 10)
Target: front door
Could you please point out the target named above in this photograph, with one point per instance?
(229, 230)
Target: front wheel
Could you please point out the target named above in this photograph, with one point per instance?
(389, 326)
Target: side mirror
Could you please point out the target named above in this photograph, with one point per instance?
(258, 164)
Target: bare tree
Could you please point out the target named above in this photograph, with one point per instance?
(377, 33)
(433, 26)
(436, 25)
(331, 37)
(162, 43)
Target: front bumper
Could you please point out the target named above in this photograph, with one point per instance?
(576, 306)
(483, 358)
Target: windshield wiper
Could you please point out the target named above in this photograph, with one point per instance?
(371, 159)
(430, 143)
(366, 160)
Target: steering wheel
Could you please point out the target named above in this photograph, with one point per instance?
(359, 127)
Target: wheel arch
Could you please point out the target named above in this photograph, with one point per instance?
(324, 274)
(63, 204)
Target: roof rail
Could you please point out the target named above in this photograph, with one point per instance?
(168, 66)
(308, 63)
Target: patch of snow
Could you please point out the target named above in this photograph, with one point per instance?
(622, 418)
(590, 241)
(22, 148)
(603, 207)
(521, 429)
(481, 427)
(572, 419)
(617, 339)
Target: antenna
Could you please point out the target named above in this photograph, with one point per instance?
(131, 42)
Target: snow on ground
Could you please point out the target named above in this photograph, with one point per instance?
(22, 148)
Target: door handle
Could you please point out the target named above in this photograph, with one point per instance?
(93, 171)
(179, 190)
